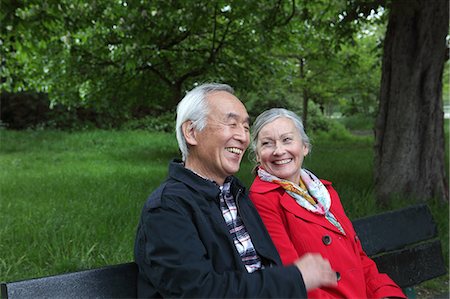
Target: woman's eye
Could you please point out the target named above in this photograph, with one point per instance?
(287, 139)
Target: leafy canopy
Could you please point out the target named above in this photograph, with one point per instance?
(123, 56)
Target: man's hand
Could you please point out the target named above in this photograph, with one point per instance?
(316, 271)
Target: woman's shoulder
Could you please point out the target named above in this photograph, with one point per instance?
(262, 187)
(265, 195)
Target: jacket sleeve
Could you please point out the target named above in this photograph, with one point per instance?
(172, 257)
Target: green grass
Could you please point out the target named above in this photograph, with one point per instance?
(71, 201)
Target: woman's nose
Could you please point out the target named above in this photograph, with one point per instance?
(278, 150)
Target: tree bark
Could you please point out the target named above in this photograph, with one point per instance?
(409, 131)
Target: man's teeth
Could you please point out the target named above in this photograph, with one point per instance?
(279, 162)
(234, 150)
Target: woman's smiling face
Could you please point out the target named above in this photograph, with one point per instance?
(280, 150)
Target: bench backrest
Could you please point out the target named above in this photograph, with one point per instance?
(403, 243)
(117, 281)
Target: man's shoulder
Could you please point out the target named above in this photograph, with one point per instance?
(169, 190)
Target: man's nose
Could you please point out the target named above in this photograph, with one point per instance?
(242, 134)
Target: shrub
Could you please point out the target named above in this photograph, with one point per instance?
(358, 122)
(337, 132)
(161, 123)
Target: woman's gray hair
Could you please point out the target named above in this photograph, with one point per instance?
(194, 107)
(269, 116)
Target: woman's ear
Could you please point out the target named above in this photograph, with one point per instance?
(305, 150)
(189, 132)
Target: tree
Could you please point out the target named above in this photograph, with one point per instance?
(127, 54)
(409, 147)
(138, 57)
(318, 65)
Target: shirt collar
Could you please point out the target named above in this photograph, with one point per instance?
(209, 188)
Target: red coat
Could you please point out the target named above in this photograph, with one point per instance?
(296, 231)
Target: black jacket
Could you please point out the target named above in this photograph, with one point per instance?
(183, 247)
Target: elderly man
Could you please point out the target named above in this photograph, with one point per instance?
(199, 235)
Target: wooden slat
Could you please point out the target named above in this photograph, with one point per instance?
(409, 267)
(117, 281)
(3, 292)
(395, 229)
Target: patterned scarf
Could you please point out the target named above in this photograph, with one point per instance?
(315, 198)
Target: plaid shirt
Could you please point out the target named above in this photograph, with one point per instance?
(238, 231)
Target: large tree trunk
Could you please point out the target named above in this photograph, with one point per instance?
(409, 132)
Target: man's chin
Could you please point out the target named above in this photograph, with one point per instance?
(233, 170)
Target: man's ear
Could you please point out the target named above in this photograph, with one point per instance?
(189, 132)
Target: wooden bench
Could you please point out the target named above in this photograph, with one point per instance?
(404, 244)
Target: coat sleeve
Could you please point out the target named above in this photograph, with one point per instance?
(172, 257)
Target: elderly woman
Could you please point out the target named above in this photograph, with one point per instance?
(304, 214)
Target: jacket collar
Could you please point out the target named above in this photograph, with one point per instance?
(289, 204)
(207, 188)
(260, 186)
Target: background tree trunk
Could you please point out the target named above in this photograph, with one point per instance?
(409, 131)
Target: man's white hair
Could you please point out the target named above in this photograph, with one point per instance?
(194, 107)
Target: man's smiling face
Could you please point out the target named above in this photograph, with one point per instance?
(222, 143)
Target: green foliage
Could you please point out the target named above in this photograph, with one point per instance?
(161, 123)
(358, 122)
(337, 132)
(121, 56)
(359, 78)
(316, 68)
(256, 104)
(447, 145)
(446, 84)
(118, 54)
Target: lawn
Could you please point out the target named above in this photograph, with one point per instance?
(71, 200)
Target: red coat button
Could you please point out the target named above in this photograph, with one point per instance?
(326, 240)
